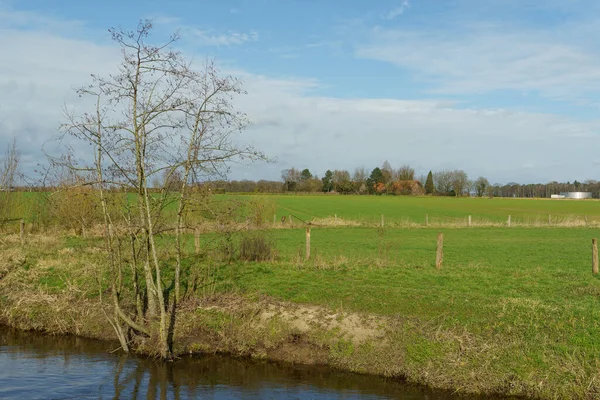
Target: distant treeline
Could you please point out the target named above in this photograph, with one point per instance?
(381, 180)
(537, 190)
(400, 181)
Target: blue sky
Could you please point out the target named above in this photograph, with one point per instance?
(502, 88)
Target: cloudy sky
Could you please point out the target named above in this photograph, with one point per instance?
(507, 89)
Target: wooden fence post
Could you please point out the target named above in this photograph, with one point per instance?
(197, 240)
(382, 222)
(335, 218)
(509, 221)
(549, 220)
(594, 256)
(439, 257)
(274, 219)
(22, 232)
(586, 220)
(426, 219)
(469, 221)
(307, 242)
(290, 220)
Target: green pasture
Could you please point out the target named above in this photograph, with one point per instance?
(392, 272)
(396, 267)
(522, 302)
(395, 209)
(447, 209)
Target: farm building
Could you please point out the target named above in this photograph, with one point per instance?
(572, 195)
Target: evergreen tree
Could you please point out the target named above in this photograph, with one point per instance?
(305, 175)
(327, 181)
(375, 178)
(429, 188)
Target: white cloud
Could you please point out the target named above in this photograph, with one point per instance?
(212, 38)
(18, 19)
(326, 133)
(37, 74)
(398, 10)
(162, 19)
(487, 57)
(302, 129)
(203, 37)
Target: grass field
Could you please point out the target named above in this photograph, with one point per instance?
(399, 210)
(408, 208)
(515, 311)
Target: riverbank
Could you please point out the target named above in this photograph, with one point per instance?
(473, 327)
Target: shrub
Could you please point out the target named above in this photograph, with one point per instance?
(256, 247)
(260, 211)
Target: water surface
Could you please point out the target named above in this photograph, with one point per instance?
(34, 366)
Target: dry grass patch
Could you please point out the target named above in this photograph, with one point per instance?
(334, 221)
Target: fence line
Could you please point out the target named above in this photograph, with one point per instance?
(437, 221)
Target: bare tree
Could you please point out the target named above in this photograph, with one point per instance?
(8, 175)
(405, 173)
(460, 182)
(156, 117)
(359, 179)
(481, 184)
(341, 181)
(291, 177)
(493, 190)
(388, 172)
(443, 181)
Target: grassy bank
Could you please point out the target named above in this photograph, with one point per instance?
(512, 311)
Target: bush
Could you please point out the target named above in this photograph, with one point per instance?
(256, 247)
(76, 208)
(260, 211)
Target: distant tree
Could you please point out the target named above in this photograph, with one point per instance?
(156, 182)
(290, 178)
(460, 182)
(429, 188)
(341, 181)
(264, 186)
(443, 182)
(492, 190)
(375, 181)
(481, 184)
(327, 181)
(309, 182)
(405, 173)
(359, 179)
(311, 185)
(377, 176)
(305, 175)
(9, 166)
(345, 187)
(171, 179)
(387, 173)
